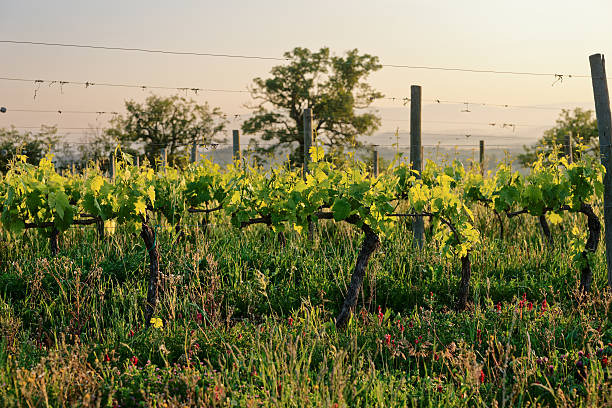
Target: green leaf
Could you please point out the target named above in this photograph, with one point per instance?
(341, 209)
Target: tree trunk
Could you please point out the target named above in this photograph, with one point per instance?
(586, 274)
(370, 244)
(149, 238)
(53, 246)
(464, 286)
(546, 229)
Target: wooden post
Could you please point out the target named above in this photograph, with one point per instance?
(307, 138)
(567, 147)
(482, 157)
(194, 153)
(415, 153)
(307, 143)
(164, 158)
(604, 126)
(111, 166)
(375, 162)
(237, 155)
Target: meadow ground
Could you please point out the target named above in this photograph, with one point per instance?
(244, 321)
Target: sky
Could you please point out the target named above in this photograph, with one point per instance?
(527, 36)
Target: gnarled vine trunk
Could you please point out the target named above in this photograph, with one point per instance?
(594, 226)
(371, 242)
(53, 245)
(464, 286)
(546, 229)
(149, 238)
(501, 225)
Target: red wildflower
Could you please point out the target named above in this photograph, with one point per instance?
(290, 320)
(604, 361)
(410, 324)
(106, 358)
(439, 387)
(529, 306)
(380, 315)
(544, 305)
(134, 360)
(131, 333)
(482, 377)
(387, 338)
(498, 307)
(279, 387)
(199, 318)
(436, 356)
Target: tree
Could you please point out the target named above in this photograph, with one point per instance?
(32, 144)
(172, 122)
(580, 124)
(333, 87)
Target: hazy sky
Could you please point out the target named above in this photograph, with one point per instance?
(537, 36)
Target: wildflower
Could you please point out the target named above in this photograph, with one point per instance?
(604, 361)
(410, 324)
(106, 358)
(498, 307)
(436, 356)
(439, 387)
(544, 305)
(131, 333)
(482, 377)
(380, 315)
(290, 320)
(157, 323)
(279, 387)
(529, 306)
(134, 360)
(387, 339)
(199, 318)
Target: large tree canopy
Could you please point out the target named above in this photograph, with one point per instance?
(333, 87)
(172, 122)
(32, 144)
(580, 124)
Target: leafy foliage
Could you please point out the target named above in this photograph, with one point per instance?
(333, 87)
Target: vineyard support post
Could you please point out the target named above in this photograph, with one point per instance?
(164, 158)
(307, 143)
(482, 157)
(415, 153)
(567, 147)
(375, 162)
(237, 155)
(111, 166)
(604, 126)
(194, 153)
(307, 138)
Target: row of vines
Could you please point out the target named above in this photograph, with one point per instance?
(138, 197)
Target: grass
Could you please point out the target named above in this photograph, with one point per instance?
(247, 322)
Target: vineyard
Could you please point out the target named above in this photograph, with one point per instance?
(241, 286)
